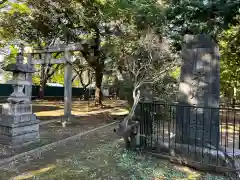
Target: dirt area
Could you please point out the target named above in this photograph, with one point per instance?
(48, 110)
(98, 156)
(83, 120)
(53, 132)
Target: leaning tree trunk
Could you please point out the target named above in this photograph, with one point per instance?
(98, 90)
(126, 130)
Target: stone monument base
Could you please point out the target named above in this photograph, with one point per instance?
(18, 125)
(18, 134)
(205, 159)
(20, 140)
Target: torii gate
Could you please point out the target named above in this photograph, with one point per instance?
(67, 60)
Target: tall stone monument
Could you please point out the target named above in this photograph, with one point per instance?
(18, 125)
(197, 122)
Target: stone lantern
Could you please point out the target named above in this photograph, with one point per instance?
(18, 125)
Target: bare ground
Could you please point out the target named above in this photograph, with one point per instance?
(85, 118)
(98, 155)
(93, 156)
(48, 110)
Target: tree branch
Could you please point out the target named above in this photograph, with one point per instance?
(53, 71)
(74, 77)
(3, 1)
(48, 73)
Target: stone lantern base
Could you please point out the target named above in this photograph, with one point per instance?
(18, 125)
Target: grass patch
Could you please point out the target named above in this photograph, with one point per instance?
(107, 161)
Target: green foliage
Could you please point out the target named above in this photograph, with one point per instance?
(20, 8)
(229, 42)
(58, 76)
(13, 22)
(11, 58)
(122, 23)
(125, 91)
(175, 73)
(8, 59)
(40, 22)
(36, 79)
(198, 16)
(76, 83)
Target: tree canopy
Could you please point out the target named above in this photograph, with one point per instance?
(114, 28)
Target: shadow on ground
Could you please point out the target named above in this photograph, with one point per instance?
(39, 108)
(46, 110)
(54, 131)
(98, 155)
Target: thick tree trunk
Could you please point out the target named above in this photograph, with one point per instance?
(96, 62)
(99, 65)
(126, 130)
(41, 89)
(98, 90)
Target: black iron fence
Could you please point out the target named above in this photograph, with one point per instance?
(200, 135)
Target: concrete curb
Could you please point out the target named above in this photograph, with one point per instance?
(51, 145)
